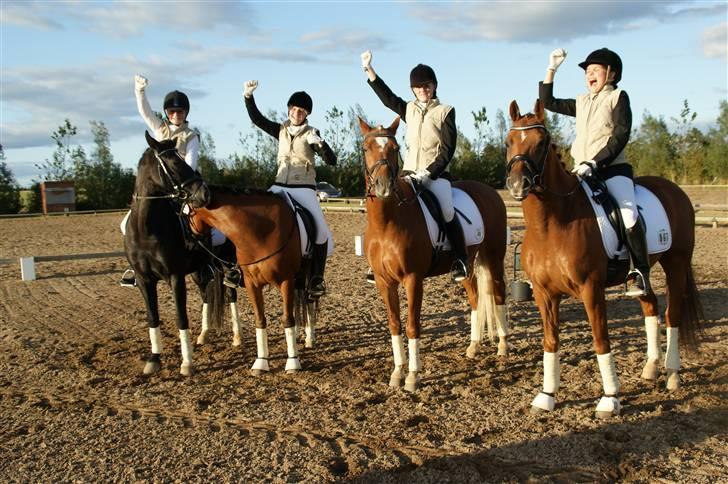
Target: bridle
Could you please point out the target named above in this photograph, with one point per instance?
(179, 190)
(393, 165)
(534, 169)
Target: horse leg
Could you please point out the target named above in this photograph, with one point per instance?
(390, 296)
(232, 298)
(413, 286)
(476, 323)
(675, 274)
(202, 337)
(592, 295)
(498, 284)
(548, 306)
(149, 294)
(651, 311)
(179, 294)
(260, 365)
(289, 324)
(310, 312)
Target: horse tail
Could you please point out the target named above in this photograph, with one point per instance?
(215, 295)
(485, 310)
(693, 316)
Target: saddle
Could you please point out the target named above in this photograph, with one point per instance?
(306, 223)
(602, 197)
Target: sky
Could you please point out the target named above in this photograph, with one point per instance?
(77, 60)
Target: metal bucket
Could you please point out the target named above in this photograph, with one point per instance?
(521, 291)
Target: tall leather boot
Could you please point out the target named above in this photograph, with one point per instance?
(316, 285)
(638, 279)
(459, 270)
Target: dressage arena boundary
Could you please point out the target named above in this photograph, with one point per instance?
(27, 264)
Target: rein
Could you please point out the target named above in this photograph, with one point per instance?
(179, 190)
(370, 172)
(536, 179)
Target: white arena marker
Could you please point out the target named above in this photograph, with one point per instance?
(508, 235)
(358, 245)
(27, 268)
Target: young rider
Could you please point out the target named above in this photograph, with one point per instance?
(297, 143)
(603, 125)
(431, 137)
(174, 125)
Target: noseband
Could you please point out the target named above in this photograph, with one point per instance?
(535, 177)
(179, 190)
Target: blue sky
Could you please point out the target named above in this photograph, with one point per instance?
(77, 60)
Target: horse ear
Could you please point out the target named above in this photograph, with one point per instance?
(153, 143)
(395, 124)
(365, 128)
(514, 111)
(538, 109)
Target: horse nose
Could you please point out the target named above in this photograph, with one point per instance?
(518, 187)
(381, 188)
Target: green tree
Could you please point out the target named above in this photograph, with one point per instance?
(716, 158)
(59, 168)
(9, 191)
(207, 163)
(651, 150)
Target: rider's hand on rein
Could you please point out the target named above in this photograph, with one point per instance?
(585, 168)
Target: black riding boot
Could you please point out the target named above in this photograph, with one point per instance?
(316, 285)
(638, 279)
(459, 268)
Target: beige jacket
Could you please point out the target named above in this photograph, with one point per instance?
(424, 134)
(594, 124)
(295, 158)
(182, 135)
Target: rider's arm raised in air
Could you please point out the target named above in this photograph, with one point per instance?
(622, 119)
(145, 110)
(555, 105)
(388, 98)
(449, 136)
(270, 127)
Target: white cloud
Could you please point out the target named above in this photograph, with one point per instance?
(125, 19)
(546, 21)
(715, 42)
(332, 40)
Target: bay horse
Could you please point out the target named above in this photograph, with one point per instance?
(563, 255)
(265, 232)
(399, 251)
(155, 246)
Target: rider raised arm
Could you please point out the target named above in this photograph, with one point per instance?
(296, 175)
(431, 138)
(603, 126)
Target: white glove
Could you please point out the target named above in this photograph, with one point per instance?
(585, 168)
(140, 82)
(366, 59)
(420, 176)
(249, 88)
(556, 58)
(312, 138)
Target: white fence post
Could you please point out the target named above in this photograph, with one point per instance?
(27, 268)
(359, 245)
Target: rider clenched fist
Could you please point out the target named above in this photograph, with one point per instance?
(140, 82)
(366, 59)
(249, 88)
(556, 58)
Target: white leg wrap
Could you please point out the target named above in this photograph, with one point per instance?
(205, 317)
(186, 345)
(652, 328)
(261, 339)
(235, 319)
(672, 355)
(291, 342)
(544, 402)
(609, 405)
(551, 372)
(608, 369)
(476, 332)
(414, 354)
(501, 320)
(398, 350)
(155, 336)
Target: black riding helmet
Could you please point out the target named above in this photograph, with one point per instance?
(422, 74)
(177, 100)
(301, 100)
(605, 57)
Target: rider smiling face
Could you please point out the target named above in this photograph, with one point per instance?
(597, 76)
(425, 92)
(297, 115)
(176, 116)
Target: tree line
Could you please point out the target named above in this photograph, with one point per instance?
(678, 151)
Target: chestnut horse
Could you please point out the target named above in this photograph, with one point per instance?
(264, 230)
(399, 251)
(563, 254)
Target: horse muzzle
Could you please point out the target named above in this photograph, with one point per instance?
(200, 196)
(383, 187)
(518, 186)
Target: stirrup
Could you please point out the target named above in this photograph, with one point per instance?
(232, 278)
(370, 276)
(459, 270)
(635, 284)
(128, 279)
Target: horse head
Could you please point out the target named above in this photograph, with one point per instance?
(172, 175)
(381, 158)
(527, 146)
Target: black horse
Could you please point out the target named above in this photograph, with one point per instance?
(156, 248)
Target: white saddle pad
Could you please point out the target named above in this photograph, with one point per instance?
(471, 221)
(306, 248)
(659, 235)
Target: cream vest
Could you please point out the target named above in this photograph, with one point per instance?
(182, 135)
(295, 158)
(424, 138)
(594, 124)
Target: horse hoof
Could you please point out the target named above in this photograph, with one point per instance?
(537, 410)
(256, 372)
(293, 365)
(186, 369)
(650, 371)
(151, 367)
(309, 343)
(236, 341)
(396, 381)
(605, 415)
(503, 349)
(673, 380)
(473, 349)
(607, 408)
(411, 382)
(201, 339)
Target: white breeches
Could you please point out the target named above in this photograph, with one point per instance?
(622, 189)
(307, 197)
(443, 191)
(218, 238)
